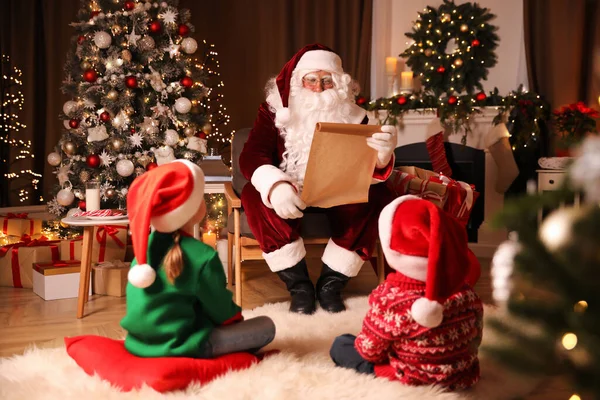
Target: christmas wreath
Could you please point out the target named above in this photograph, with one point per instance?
(453, 47)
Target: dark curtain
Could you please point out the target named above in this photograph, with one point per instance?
(254, 38)
(562, 41)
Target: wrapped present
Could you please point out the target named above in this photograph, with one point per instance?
(57, 280)
(455, 197)
(19, 224)
(129, 254)
(16, 260)
(109, 244)
(110, 278)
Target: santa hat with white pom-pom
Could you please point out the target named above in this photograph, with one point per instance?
(423, 242)
(166, 198)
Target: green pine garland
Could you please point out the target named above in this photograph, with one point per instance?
(453, 47)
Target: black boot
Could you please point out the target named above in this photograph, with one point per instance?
(301, 288)
(329, 289)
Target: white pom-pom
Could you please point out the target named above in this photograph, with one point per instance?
(427, 313)
(141, 276)
(283, 117)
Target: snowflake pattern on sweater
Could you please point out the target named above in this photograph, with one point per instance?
(404, 350)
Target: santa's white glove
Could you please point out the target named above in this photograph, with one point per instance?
(286, 202)
(385, 143)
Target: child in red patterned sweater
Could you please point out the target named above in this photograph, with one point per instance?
(425, 321)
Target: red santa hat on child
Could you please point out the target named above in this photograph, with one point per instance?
(313, 57)
(166, 198)
(423, 242)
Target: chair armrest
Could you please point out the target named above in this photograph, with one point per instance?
(233, 200)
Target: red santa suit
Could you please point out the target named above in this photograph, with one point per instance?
(353, 226)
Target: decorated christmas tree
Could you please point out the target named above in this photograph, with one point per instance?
(143, 92)
(547, 280)
(17, 178)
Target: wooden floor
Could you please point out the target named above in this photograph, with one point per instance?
(26, 319)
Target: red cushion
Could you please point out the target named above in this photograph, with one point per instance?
(110, 360)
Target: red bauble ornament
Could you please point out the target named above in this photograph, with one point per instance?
(90, 76)
(155, 27)
(187, 81)
(480, 96)
(94, 14)
(81, 205)
(401, 100)
(452, 100)
(105, 116)
(80, 39)
(361, 100)
(201, 135)
(129, 5)
(132, 130)
(74, 123)
(475, 42)
(441, 69)
(151, 166)
(183, 30)
(93, 161)
(131, 82)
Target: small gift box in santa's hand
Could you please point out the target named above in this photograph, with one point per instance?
(19, 224)
(110, 243)
(57, 280)
(455, 197)
(16, 260)
(110, 278)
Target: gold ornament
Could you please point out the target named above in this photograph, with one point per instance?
(63, 225)
(207, 128)
(116, 29)
(428, 52)
(144, 161)
(110, 193)
(189, 131)
(112, 95)
(188, 155)
(68, 147)
(85, 65)
(84, 176)
(445, 17)
(458, 62)
(464, 28)
(126, 55)
(117, 144)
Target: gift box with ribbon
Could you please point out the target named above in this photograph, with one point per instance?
(110, 278)
(16, 260)
(20, 224)
(109, 243)
(455, 197)
(57, 280)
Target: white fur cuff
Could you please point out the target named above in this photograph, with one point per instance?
(263, 179)
(342, 260)
(285, 257)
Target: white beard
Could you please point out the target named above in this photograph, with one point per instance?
(307, 108)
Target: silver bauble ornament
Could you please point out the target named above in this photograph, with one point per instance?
(146, 43)
(183, 105)
(73, 211)
(54, 159)
(65, 197)
(102, 39)
(69, 107)
(112, 95)
(189, 45)
(189, 131)
(171, 137)
(125, 167)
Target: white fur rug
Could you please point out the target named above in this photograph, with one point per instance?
(303, 370)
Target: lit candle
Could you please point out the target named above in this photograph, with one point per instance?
(209, 238)
(406, 80)
(390, 65)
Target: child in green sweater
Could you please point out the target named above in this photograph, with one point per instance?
(177, 300)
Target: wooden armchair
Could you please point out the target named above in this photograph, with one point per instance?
(315, 226)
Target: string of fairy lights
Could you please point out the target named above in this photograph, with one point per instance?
(13, 101)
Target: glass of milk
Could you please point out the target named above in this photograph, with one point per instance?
(92, 195)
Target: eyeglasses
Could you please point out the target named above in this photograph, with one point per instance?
(313, 81)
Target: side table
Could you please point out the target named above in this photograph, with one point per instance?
(86, 254)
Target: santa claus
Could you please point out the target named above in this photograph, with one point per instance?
(312, 87)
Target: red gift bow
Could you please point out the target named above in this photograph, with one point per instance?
(108, 230)
(26, 241)
(72, 246)
(15, 216)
